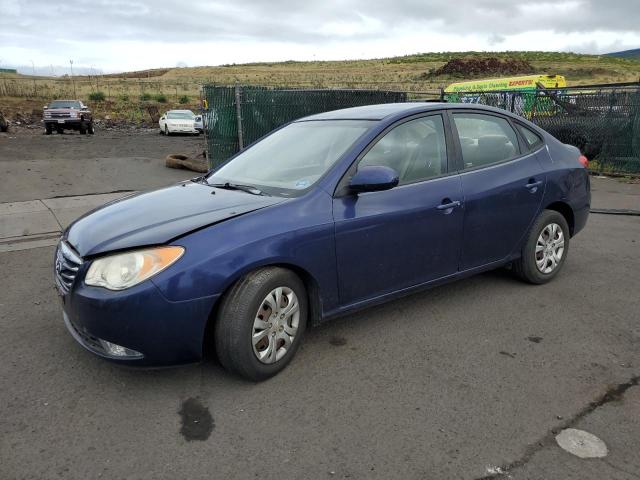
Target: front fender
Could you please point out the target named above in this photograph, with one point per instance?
(299, 233)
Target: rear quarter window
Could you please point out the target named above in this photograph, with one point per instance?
(531, 138)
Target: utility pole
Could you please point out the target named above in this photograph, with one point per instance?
(72, 80)
(33, 71)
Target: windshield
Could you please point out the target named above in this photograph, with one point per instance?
(292, 158)
(180, 115)
(64, 104)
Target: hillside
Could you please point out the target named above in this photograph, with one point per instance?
(128, 95)
(408, 72)
(629, 54)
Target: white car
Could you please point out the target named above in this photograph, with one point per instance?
(199, 123)
(178, 121)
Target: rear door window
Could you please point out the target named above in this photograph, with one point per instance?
(485, 139)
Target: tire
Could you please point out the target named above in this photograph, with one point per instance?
(544, 236)
(235, 328)
(83, 128)
(90, 128)
(166, 131)
(48, 129)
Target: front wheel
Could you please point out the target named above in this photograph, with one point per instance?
(166, 130)
(261, 322)
(546, 249)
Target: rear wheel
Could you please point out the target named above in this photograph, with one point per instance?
(90, 128)
(261, 322)
(546, 249)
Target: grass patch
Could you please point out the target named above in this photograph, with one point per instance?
(97, 96)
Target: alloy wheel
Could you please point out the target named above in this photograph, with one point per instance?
(275, 325)
(549, 248)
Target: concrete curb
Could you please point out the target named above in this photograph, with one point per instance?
(39, 223)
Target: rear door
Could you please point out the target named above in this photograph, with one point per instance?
(502, 183)
(411, 234)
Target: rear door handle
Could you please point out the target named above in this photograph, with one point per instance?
(533, 184)
(450, 204)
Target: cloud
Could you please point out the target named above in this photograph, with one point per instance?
(124, 34)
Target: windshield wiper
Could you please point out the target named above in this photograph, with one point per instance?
(238, 186)
(200, 179)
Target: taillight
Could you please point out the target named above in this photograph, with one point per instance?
(584, 161)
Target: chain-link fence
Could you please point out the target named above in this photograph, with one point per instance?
(604, 122)
(238, 116)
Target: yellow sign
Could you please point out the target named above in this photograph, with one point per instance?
(526, 82)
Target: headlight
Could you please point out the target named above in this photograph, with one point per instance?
(121, 271)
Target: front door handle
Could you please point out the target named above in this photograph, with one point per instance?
(533, 184)
(449, 204)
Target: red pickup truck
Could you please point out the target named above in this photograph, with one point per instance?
(64, 115)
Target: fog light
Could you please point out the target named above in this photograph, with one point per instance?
(118, 350)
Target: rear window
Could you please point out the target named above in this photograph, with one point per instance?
(531, 138)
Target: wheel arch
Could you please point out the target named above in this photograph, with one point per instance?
(566, 211)
(311, 286)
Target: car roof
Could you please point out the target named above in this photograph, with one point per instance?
(382, 111)
(180, 111)
(371, 112)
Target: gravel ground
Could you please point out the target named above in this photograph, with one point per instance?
(45, 166)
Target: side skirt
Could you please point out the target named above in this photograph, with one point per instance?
(363, 304)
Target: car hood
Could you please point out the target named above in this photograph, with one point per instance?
(158, 216)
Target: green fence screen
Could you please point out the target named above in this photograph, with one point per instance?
(603, 122)
(238, 116)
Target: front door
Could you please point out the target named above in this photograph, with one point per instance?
(390, 240)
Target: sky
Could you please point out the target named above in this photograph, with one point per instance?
(124, 35)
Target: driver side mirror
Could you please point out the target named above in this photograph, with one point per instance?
(373, 179)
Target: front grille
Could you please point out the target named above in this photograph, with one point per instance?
(59, 115)
(67, 263)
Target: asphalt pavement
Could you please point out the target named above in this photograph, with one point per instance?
(469, 380)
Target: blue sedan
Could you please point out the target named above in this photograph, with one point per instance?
(326, 215)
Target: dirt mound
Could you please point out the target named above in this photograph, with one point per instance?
(478, 67)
